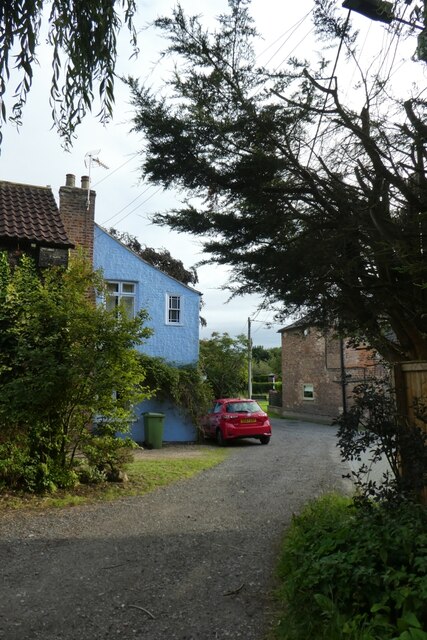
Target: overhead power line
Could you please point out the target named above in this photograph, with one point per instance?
(329, 86)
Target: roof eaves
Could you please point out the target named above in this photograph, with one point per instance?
(148, 263)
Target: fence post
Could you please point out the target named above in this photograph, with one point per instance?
(410, 384)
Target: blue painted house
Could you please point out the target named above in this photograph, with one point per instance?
(173, 310)
(172, 306)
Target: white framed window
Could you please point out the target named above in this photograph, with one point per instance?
(121, 293)
(173, 309)
(308, 391)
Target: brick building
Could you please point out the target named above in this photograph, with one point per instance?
(319, 372)
(77, 211)
(30, 224)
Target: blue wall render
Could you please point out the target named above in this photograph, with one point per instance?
(177, 344)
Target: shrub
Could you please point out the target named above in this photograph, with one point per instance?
(61, 359)
(184, 386)
(373, 425)
(14, 461)
(104, 452)
(355, 573)
(261, 387)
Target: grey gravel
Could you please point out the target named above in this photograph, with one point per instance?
(194, 560)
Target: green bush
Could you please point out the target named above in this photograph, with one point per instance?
(14, 460)
(373, 425)
(355, 573)
(261, 387)
(63, 360)
(278, 387)
(20, 469)
(104, 452)
(184, 386)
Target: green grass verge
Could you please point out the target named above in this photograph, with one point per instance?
(144, 476)
(264, 406)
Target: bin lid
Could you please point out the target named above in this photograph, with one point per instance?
(153, 415)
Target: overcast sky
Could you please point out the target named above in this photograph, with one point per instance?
(34, 155)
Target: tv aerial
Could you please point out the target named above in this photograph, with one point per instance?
(91, 157)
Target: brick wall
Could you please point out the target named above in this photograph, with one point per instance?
(312, 358)
(309, 358)
(77, 213)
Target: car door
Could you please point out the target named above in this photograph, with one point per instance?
(213, 418)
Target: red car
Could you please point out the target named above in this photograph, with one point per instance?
(232, 418)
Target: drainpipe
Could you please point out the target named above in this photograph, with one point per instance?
(343, 378)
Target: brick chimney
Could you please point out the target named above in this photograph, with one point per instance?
(77, 210)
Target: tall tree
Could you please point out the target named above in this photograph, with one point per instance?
(224, 361)
(331, 224)
(260, 353)
(266, 361)
(160, 258)
(83, 37)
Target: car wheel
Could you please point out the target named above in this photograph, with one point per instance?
(264, 439)
(220, 438)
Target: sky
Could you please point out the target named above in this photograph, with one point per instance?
(33, 154)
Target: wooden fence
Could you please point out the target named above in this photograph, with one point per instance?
(410, 380)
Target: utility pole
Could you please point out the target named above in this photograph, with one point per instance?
(343, 378)
(249, 360)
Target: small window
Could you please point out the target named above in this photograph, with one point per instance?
(121, 293)
(174, 309)
(308, 391)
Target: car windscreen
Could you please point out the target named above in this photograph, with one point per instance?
(243, 407)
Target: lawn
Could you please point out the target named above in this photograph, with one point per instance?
(144, 475)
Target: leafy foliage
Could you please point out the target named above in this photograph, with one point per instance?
(61, 358)
(356, 574)
(83, 36)
(266, 361)
(184, 386)
(372, 425)
(224, 361)
(160, 258)
(332, 229)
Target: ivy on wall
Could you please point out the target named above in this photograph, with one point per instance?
(184, 386)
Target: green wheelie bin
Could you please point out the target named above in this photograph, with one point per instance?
(153, 430)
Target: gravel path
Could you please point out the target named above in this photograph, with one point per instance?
(194, 560)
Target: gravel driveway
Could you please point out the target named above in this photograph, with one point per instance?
(194, 560)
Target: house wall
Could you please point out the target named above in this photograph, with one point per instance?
(178, 344)
(176, 426)
(310, 358)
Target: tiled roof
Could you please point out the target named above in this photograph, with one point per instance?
(299, 324)
(30, 213)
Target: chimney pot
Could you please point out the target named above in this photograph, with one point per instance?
(85, 182)
(70, 180)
